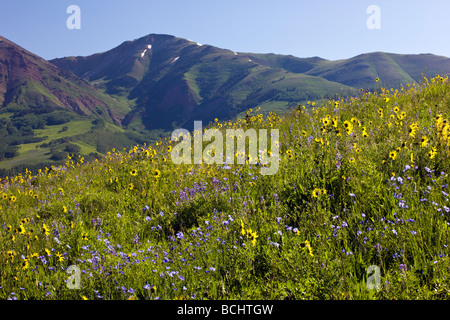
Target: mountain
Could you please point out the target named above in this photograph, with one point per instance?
(30, 84)
(175, 81)
(47, 112)
(360, 71)
(392, 69)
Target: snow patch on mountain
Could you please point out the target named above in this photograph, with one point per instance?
(149, 46)
(199, 44)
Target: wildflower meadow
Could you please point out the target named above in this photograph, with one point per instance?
(362, 182)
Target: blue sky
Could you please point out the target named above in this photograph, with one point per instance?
(331, 29)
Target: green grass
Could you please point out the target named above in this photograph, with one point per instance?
(81, 133)
(6, 115)
(280, 107)
(28, 155)
(190, 78)
(38, 95)
(31, 153)
(360, 183)
(74, 128)
(85, 147)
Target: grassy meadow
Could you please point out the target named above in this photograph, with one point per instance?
(362, 181)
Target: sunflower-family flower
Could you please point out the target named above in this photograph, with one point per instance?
(424, 141)
(156, 173)
(45, 229)
(316, 192)
(432, 153)
(307, 246)
(393, 154)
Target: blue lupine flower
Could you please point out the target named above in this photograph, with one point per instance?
(180, 235)
(275, 244)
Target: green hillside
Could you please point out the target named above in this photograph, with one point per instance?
(49, 145)
(177, 80)
(171, 81)
(47, 113)
(356, 208)
(393, 69)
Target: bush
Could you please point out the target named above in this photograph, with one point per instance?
(72, 148)
(58, 155)
(58, 117)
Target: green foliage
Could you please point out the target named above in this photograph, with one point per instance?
(361, 182)
(58, 117)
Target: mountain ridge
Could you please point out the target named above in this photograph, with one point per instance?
(177, 80)
(28, 81)
(172, 80)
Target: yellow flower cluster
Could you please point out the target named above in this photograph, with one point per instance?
(443, 129)
(317, 192)
(413, 128)
(249, 234)
(432, 153)
(307, 246)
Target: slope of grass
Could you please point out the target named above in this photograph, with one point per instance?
(362, 183)
(362, 70)
(57, 132)
(34, 94)
(32, 153)
(93, 138)
(421, 65)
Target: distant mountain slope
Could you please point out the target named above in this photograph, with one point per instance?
(173, 81)
(47, 113)
(287, 62)
(392, 69)
(420, 65)
(30, 84)
(361, 71)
